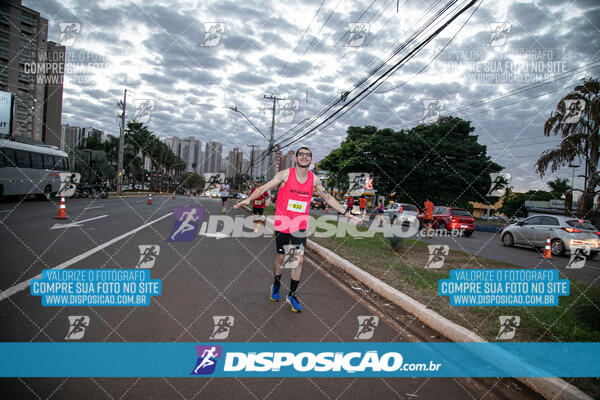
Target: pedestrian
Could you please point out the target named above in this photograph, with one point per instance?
(428, 217)
(296, 186)
(258, 206)
(362, 204)
(380, 213)
(224, 192)
(349, 204)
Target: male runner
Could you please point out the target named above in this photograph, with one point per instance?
(428, 217)
(258, 207)
(349, 204)
(362, 204)
(224, 192)
(291, 216)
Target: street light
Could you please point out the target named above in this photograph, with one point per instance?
(234, 108)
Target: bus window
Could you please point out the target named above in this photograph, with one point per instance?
(62, 164)
(23, 159)
(9, 157)
(37, 161)
(48, 161)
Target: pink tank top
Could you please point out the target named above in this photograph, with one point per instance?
(293, 203)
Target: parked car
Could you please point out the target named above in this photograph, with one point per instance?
(403, 212)
(317, 203)
(452, 218)
(566, 234)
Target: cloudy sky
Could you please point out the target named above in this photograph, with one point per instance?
(303, 50)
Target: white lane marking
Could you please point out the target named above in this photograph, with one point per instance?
(24, 285)
(93, 208)
(76, 223)
(1, 211)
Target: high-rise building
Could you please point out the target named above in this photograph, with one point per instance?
(245, 167)
(288, 160)
(259, 161)
(190, 153)
(55, 55)
(234, 166)
(89, 131)
(70, 137)
(174, 143)
(31, 69)
(213, 157)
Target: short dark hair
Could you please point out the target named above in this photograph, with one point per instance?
(303, 148)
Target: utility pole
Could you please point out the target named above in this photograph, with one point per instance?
(121, 145)
(271, 172)
(252, 159)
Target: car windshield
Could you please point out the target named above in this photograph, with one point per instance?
(409, 207)
(461, 213)
(317, 199)
(581, 225)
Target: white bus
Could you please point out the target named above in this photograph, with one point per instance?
(41, 170)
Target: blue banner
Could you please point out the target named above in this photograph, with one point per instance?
(504, 287)
(95, 287)
(299, 359)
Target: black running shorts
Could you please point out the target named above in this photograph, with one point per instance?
(257, 210)
(282, 239)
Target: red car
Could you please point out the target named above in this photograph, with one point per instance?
(451, 218)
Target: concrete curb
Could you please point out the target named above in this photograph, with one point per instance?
(551, 388)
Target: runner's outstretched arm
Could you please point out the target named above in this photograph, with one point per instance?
(276, 181)
(329, 199)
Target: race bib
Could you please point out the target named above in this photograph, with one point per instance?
(296, 206)
(258, 202)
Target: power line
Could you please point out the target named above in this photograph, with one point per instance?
(378, 67)
(387, 73)
(393, 68)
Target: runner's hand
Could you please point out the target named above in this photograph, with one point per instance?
(244, 202)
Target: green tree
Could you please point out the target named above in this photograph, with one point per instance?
(111, 148)
(93, 142)
(442, 161)
(513, 204)
(191, 180)
(560, 187)
(93, 165)
(577, 121)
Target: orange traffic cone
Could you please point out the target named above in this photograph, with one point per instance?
(326, 208)
(173, 196)
(62, 210)
(149, 198)
(547, 252)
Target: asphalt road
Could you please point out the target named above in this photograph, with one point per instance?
(488, 245)
(200, 279)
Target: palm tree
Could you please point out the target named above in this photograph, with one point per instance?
(577, 120)
(560, 187)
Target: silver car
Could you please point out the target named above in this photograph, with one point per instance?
(566, 234)
(403, 212)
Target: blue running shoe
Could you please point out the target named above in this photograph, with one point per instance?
(293, 301)
(274, 294)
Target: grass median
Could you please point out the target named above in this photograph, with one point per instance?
(575, 319)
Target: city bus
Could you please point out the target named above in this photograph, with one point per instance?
(40, 170)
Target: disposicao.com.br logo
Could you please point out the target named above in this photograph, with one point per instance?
(307, 362)
(223, 226)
